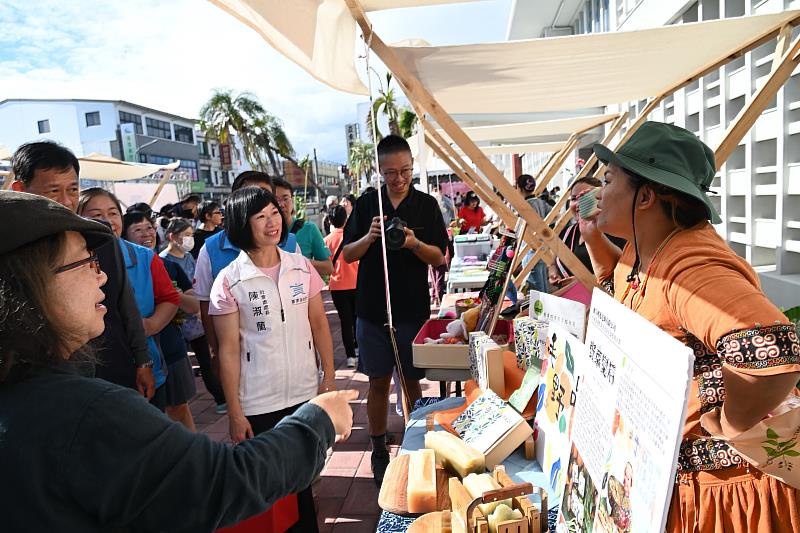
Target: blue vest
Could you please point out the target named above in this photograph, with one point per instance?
(221, 252)
(137, 264)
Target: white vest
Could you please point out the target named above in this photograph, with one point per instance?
(278, 360)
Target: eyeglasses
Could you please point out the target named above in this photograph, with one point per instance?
(405, 172)
(91, 261)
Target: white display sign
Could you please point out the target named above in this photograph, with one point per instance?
(554, 309)
(627, 424)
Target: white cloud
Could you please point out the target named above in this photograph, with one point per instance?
(165, 55)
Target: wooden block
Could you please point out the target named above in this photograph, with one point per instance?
(436, 522)
(530, 453)
(394, 491)
(421, 486)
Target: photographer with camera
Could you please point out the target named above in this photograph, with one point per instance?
(415, 238)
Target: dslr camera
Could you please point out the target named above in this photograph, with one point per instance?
(394, 234)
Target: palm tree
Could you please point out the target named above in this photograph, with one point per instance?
(386, 103)
(407, 123)
(361, 161)
(261, 133)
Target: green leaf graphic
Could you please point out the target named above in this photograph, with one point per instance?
(570, 359)
(538, 307)
(771, 451)
(771, 433)
(792, 453)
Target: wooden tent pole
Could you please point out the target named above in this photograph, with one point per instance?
(523, 274)
(558, 162)
(542, 234)
(782, 67)
(164, 180)
(489, 197)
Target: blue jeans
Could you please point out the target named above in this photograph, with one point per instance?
(537, 279)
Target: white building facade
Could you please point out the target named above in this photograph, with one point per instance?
(758, 188)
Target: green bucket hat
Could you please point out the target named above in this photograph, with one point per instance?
(668, 155)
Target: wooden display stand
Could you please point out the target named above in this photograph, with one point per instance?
(468, 518)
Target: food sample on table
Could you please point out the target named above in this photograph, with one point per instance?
(455, 454)
(421, 492)
(502, 513)
(477, 484)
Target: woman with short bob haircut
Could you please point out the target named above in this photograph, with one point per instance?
(269, 318)
(70, 462)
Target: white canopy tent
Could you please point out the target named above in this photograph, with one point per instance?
(539, 75)
(101, 167)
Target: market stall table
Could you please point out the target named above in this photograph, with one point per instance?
(520, 469)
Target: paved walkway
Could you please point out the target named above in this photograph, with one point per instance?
(346, 494)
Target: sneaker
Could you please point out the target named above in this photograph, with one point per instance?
(221, 409)
(352, 362)
(379, 461)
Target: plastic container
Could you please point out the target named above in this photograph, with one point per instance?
(449, 355)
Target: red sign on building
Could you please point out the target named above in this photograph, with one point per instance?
(225, 155)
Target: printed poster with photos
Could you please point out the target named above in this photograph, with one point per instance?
(559, 383)
(627, 424)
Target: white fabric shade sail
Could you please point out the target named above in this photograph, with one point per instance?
(524, 131)
(377, 5)
(582, 71)
(520, 148)
(105, 168)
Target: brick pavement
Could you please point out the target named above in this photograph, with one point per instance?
(346, 494)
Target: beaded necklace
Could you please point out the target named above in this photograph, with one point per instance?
(635, 284)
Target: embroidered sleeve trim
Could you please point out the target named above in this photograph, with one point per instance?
(760, 347)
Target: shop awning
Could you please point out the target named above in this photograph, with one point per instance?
(105, 168)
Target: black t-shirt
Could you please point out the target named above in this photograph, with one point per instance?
(408, 275)
(200, 236)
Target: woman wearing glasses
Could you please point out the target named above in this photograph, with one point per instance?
(70, 462)
(211, 223)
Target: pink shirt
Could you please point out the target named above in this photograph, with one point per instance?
(222, 301)
(345, 274)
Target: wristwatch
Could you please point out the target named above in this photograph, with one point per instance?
(148, 364)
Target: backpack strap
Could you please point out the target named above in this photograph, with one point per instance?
(338, 252)
(297, 225)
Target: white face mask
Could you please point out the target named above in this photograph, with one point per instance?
(188, 244)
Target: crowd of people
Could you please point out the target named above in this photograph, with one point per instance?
(101, 304)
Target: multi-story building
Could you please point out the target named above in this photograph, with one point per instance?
(325, 179)
(219, 164)
(759, 185)
(116, 128)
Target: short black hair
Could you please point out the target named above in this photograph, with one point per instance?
(206, 208)
(143, 207)
(41, 155)
(526, 183)
(283, 184)
(177, 225)
(338, 216)
(392, 144)
(131, 218)
(350, 198)
(252, 176)
(240, 206)
(191, 197)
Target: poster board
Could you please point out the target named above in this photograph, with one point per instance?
(556, 310)
(627, 424)
(559, 387)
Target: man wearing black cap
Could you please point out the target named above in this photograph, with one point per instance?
(48, 169)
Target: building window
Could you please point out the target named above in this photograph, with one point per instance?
(158, 128)
(132, 118)
(205, 175)
(93, 118)
(44, 126)
(202, 148)
(216, 177)
(213, 150)
(184, 134)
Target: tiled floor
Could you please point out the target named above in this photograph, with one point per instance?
(346, 494)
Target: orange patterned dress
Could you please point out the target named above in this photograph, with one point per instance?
(700, 292)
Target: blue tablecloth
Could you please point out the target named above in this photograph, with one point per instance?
(519, 468)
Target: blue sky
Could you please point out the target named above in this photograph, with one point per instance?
(171, 55)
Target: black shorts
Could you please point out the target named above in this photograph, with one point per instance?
(376, 356)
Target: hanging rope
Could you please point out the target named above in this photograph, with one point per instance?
(390, 319)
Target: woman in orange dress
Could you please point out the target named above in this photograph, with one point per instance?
(678, 273)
